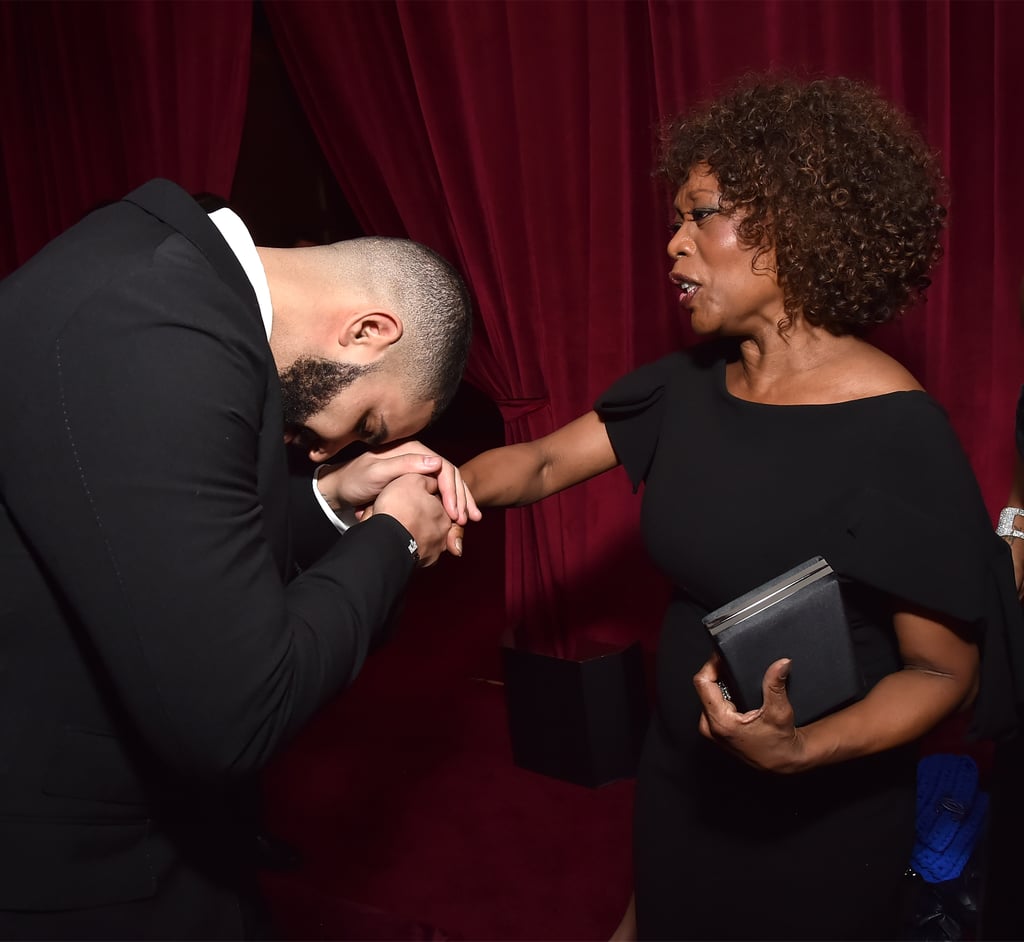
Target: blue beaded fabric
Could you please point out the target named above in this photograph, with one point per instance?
(951, 811)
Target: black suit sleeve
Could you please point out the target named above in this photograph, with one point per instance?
(313, 533)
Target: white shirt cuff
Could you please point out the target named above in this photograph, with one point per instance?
(343, 519)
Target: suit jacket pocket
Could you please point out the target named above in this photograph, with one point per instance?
(93, 766)
(58, 864)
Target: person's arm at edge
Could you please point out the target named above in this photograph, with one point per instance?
(626, 930)
(1016, 495)
(1015, 499)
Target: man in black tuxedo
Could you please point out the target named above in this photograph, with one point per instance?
(156, 645)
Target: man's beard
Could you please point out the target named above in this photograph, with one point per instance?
(310, 383)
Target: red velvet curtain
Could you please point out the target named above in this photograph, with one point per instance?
(100, 97)
(516, 137)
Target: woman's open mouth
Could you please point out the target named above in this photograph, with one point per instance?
(687, 290)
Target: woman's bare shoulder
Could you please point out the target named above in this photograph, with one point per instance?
(869, 371)
(884, 373)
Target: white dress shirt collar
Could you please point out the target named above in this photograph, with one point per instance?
(240, 242)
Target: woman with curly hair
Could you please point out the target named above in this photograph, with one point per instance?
(805, 213)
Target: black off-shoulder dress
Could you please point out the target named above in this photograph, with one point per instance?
(735, 493)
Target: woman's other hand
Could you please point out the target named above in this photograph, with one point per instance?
(939, 676)
(764, 738)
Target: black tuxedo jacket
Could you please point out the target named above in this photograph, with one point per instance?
(154, 653)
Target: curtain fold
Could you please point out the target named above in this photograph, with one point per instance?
(517, 138)
(100, 97)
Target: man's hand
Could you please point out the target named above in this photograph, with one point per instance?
(413, 501)
(357, 483)
(764, 738)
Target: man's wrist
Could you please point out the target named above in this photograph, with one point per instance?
(341, 515)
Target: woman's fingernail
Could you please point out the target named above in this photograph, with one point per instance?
(458, 546)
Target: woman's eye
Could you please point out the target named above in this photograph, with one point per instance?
(699, 216)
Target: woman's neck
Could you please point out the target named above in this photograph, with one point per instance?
(802, 365)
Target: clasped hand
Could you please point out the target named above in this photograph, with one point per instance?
(369, 483)
(764, 738)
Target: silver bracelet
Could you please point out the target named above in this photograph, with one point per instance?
(1005, 527)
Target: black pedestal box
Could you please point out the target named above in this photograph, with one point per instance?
(582, 719)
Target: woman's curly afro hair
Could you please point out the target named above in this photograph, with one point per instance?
(834, 179)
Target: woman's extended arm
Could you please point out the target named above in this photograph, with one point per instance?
(940, 676)
(526, 472)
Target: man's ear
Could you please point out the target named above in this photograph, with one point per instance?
(366, 335)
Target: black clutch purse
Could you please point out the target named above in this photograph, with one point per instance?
(799, 615)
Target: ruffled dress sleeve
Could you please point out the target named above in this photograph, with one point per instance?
(632, 410)
(944, 561)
